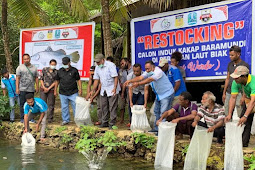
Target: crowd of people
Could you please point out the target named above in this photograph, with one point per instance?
(128, 86)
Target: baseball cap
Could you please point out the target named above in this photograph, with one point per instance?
(65, 60)
(240, 71)
(99, 57)
(162, 62)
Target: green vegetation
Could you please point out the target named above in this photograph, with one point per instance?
(251, 160)
(4, 106)
(60, 129)
(185, 150)
(65, 139)
(92, 139)
(145, 140)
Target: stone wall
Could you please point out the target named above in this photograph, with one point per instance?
(66, 137)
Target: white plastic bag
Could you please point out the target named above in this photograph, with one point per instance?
(28, 139)
(152, 117)
(165, 146)
(82, 115)
(253, 126)
(139, 121)
(199, 149)
(233, 157)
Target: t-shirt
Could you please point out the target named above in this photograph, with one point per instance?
(231, 69)
(249, 88)
(38, 107)
(212, 118)
(27, 78)
(139, 88)
(124, 73)
(185, 111)
(10, 85)
(68, 81)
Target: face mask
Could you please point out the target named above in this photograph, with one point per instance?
(150, 73)
(65, 66)
(101, 65)
(52, 67)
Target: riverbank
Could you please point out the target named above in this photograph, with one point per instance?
(137, 146)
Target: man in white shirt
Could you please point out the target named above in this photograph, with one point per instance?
(107, 74)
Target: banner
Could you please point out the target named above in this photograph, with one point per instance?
(75, 41)
(202, 34)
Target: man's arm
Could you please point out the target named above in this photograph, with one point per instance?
(231, 107)
(145, 81)
(249, 109)
(56, 87)
(89, 86)
(188, 117)
(165, 115)
(146, 95)
(116, 80)
(97, 92)
(225, 88)
(39, 121)
(4, 92)
(17, 84)
(37, 84)
(130, 95)
(217, 125)
(80, 87)
(177, 85)
(136, 79)
(196, 120)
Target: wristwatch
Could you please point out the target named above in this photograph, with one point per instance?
(245, 116)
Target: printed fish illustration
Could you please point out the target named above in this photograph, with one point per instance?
(45, 56)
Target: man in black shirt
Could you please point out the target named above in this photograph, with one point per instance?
(67, 78)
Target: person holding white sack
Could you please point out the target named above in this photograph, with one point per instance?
(213, 114)
(160, 85)
(137, 95)
(245, 82)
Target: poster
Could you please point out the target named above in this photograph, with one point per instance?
(203, 34)
(75, 41)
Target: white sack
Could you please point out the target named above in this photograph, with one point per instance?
(28, 139)
(253, 126)
(199, 149)
(152, 117)
(139, 121)
(233, 157)
(82, 115)
(165, 146)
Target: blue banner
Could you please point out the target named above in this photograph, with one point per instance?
(203, 35)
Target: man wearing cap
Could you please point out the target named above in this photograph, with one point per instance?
(175, 77)
(106, 73)
(67, 77)
(246, 82)
(160, 85)
(96, 95)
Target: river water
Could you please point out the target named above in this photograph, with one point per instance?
(13, 156)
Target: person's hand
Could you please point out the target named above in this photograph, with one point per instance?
(17, 91)
(145, 105)
(90, 93)
(242, 101)
(194, 124)
(175, 120)
(37, 127)
(135, 84)
(131, 104)
(126, 83)
(87, 97)
(223, 98)
(114, 92)
(91, 100)
(227, 119)
(122, 95)
(80, 92)
(25, 130)
(210, 129)
(55, 93)
(242, 121)
(46, 90)
(158, 122)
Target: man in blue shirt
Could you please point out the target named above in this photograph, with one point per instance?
(175, 77)
(32, 108)
(9, 82)
(161, 86)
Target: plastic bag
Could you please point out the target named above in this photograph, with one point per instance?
(82, 115)
(165, 146)
(139, 121)
(233, 157)
(253, 126)
(199, 149)
(27, 140)
(153, 117)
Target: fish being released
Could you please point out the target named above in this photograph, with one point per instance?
(45, 56)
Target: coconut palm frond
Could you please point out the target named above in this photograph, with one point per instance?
(119, 9)
(159, 4)
(77, 9)
(28, 13)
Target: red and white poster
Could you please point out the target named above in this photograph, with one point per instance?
(75, 41)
